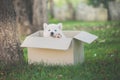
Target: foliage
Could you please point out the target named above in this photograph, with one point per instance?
(102, 58)
(60, 3)
(97, 3)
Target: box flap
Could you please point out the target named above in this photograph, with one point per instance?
(47, 43)
(85, 37)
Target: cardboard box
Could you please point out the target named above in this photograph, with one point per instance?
(61, 51)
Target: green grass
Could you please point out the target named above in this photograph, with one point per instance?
(75, 25)
(102, 58)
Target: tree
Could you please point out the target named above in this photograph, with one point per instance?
(51, 2)
(71, 10)
(23, 9)
(97, 3)
(39, 14)
(30, 15)
(10, 51)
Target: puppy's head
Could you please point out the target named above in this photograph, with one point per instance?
(52, 30)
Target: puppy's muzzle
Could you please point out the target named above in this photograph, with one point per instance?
(52, 33)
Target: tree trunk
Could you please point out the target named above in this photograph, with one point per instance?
(10, 51)
(51, 8)
(39, 14)
(71, 10)
(22, 16)
(106, 3)
(114, 10)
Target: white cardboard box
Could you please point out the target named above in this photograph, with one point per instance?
(69, 50)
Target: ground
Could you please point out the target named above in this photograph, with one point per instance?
(102, 58)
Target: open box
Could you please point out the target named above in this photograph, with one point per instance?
(61, 51)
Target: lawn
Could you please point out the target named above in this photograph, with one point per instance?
(102, 58)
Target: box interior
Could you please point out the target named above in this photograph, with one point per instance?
(69, 34)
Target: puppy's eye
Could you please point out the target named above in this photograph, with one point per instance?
(55, 30)
(49, 30)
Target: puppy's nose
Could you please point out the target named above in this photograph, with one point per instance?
(52, 33)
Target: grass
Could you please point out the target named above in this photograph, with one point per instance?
(102, 58)
(74, 25)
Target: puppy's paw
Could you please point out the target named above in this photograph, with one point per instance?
(58, 35)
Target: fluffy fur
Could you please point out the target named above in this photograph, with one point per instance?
(53, 30)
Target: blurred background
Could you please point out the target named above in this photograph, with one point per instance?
(31, 14)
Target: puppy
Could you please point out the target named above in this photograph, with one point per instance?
(53, 30)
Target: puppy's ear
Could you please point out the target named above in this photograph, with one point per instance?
(44, 25)
(60, 26)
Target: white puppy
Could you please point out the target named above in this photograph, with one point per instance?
(53, 30)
